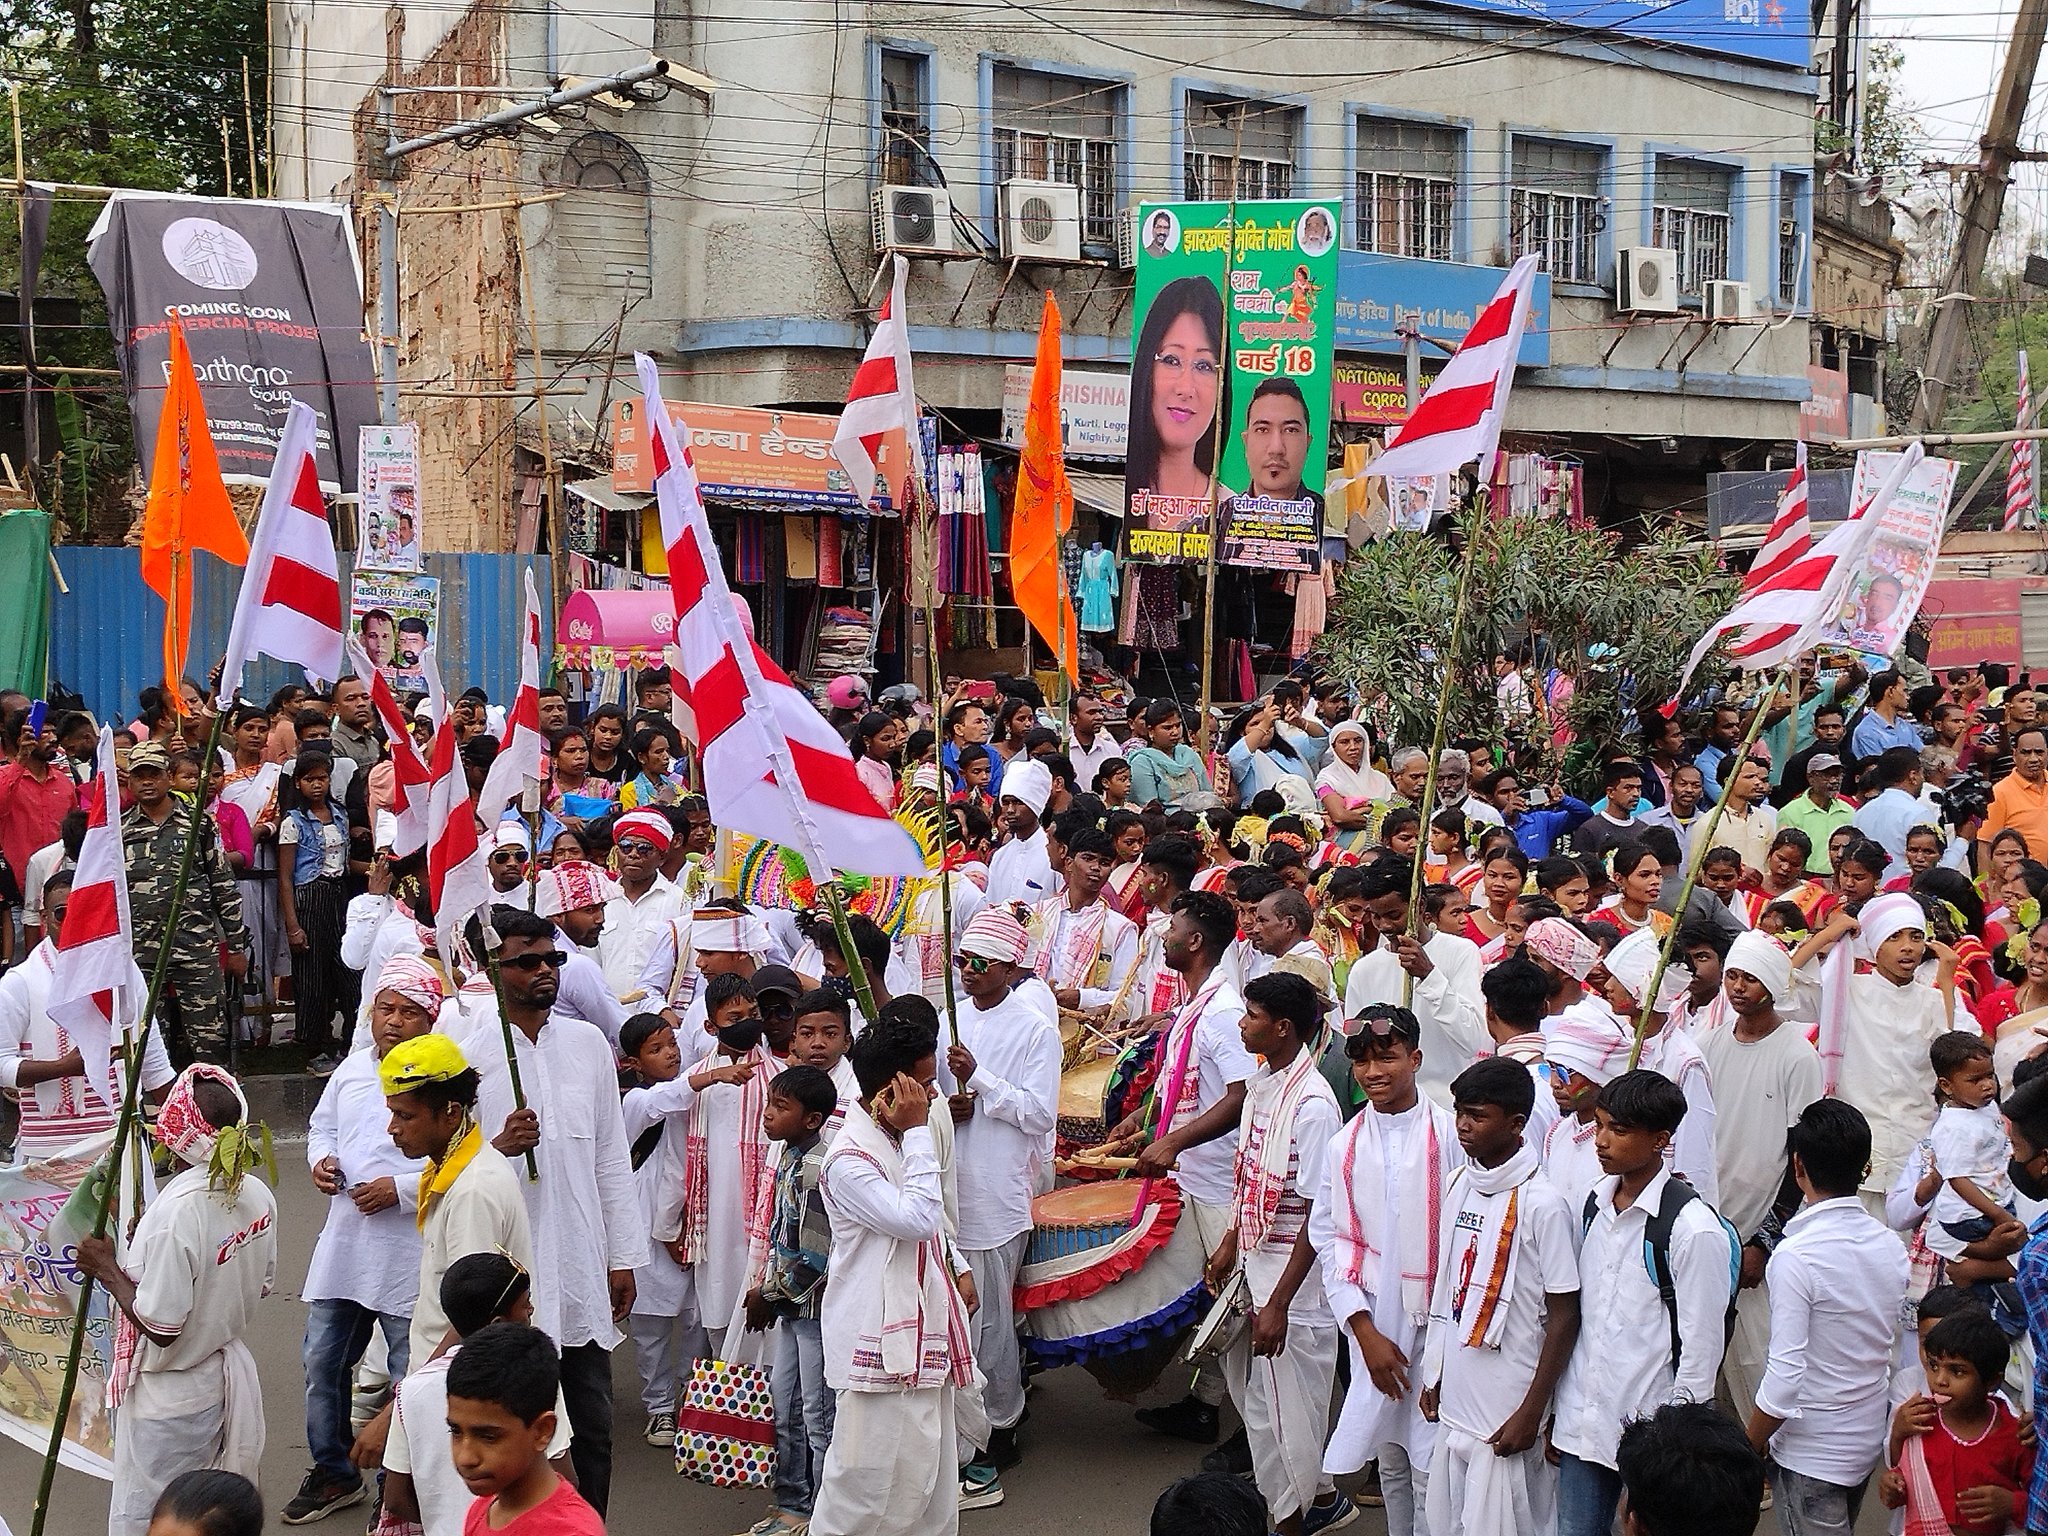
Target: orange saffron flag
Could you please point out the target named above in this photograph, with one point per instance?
(1044, 508)
(187, 510)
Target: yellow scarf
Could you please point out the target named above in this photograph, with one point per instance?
(440, 1177)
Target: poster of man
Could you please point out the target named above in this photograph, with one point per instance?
(394, 616)
(1891, 581)
(1231, 404)
(388, 472)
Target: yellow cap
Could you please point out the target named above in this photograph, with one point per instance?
(411, 1064)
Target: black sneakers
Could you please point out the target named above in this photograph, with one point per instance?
(1189, 1419)
(318, 1497)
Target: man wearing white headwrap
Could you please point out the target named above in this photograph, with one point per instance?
(1022, 868)
(692, 948)
(1764, 1073)
(1668, 1050)
(1587, 1044)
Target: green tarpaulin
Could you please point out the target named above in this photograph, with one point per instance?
(25, 600)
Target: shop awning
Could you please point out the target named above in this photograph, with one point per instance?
(599, 493)
(1101, 494)
(614, 631)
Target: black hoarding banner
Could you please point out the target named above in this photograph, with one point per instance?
(272, 305)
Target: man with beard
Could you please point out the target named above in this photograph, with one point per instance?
(588, 1236)
(645, 902)
(1680, 812)
(574, 896)
(1453, 789)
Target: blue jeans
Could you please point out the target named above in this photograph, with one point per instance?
(337, 1333)
(803, 1413)
(1587, 1495)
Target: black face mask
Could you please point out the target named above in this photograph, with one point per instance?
(2032, 1185)
(741, 1037)
(839, 986)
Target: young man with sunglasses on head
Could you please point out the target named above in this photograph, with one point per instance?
(587, 1233)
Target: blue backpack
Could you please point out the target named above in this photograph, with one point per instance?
(1657, 1252)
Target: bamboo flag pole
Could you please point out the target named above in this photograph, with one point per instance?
(1436, 744)
(124, 1129)
(1730, 767)
(487, 935)
(1204, 735)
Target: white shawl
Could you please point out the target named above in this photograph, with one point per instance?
(1359, 1212)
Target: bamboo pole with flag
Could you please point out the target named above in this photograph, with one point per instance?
(2021, 491)
(1044, 508)
(410, 778)
(187, 509)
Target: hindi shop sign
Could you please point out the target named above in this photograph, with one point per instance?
(1095, 411)
(1376, 293)
(755, 454)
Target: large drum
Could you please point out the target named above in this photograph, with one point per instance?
(1082, 1089)
(1102, 1290)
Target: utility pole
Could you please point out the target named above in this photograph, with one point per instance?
(1983, 203)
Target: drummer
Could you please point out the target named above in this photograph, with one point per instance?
(1080, 948)
(1003, 1082)
(1194, 1108)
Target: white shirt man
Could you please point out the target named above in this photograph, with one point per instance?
(1021, 870)
(375, 928)
(1446, 1003)
(632, 923)
(1088, 760)
(1091, 951)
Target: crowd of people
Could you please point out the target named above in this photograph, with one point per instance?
(1529, 1230)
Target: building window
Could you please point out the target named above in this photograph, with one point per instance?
(602, 233)
(1258, 138)
(1057, 128)
(1554, 207)
(1689, 214)
(1407, 187)
(906, 125)
(1791, 245)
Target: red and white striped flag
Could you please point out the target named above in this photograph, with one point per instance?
(409, 776)
(458, 878)
(2019, 474)
(1789, 540)
(773, 766)
(519, 759)
(95, 985)
(1788, 611)
(1459, 420)
(290, 603)
(882, 397)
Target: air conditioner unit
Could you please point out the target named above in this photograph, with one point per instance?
(1728, 301)
(915, 220)
(1127, 239)
(1646, 280)
(1041, 221)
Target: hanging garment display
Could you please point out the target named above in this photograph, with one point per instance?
(1098, 589)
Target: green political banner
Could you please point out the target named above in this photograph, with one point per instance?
(1234, 325)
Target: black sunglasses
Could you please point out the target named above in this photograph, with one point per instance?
(554, 959)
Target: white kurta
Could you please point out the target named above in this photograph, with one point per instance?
(373, 1261)
(1006, 1144)
(1022, 871)
(630, 928)
(1099, 974)
(584, 1208)
(376, 928)
(1760, 1087)
(57, 1111)
(660, 1285)
(1885, 1071)
(721, 1275)
(483, 1211)
(1446, 1002)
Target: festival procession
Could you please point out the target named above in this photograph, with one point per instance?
(1405, 895)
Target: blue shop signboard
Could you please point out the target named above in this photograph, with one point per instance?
(1374, 292)
(1766, 31)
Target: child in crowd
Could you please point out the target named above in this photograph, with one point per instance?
(666, 1325)
(1970, 1151)
(504, 1388)
(424, 1489)
(1514, 993)
(1502, 1320)
(312, 899)
(823, 1032)
(1372, 1228)
(209, 1502)
(801, 1099)
(1957, 1451)
(1587, 1048)
(976, 768)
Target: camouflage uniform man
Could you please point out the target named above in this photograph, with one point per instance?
(153, 833)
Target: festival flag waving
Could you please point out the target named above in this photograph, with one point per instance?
(409, 777)
(95, 986)
(882, 397)
(2020, 490)
(1788, 610)
(1045, 507)
(1789, 540)
(773, 766)
(187, 510)
(458, 878)
(290, 603)
(520, 758)
(1459, 420)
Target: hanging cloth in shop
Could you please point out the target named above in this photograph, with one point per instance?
(749, 556)
(1151, 617)
(831, 553)
(800, 541)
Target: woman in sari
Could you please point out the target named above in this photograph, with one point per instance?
(1348, 785)
(1506, 868)
(2023, 1030)
(1638, 882)
(2008, 852)
(1166, 771)
(1126, 831)
(1785, 880)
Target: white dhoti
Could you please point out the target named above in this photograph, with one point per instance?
(173, 1422)
(1473, 1492)
(891, 1470)
(1749, 1350)
(1284, 1400)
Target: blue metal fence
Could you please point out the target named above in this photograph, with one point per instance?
(106, 634)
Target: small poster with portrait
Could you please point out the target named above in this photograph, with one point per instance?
(1891, 580)
(388, 498)
(395, 616)
(1230, 381)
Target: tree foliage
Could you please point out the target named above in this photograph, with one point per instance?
(1620, 621)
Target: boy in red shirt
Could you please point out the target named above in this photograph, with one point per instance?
(501, 1415)
(1957, 1450)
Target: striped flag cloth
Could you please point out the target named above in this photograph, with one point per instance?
(1789, 610)
(458, 878)
(1459, 420)
(1789, 540)
(95, 984)
(882, 397)
(521, 756)
(289, 607)
(409, 776)
(2019, 474)
(773, 766)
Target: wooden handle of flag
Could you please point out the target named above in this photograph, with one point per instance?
(489, 936)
